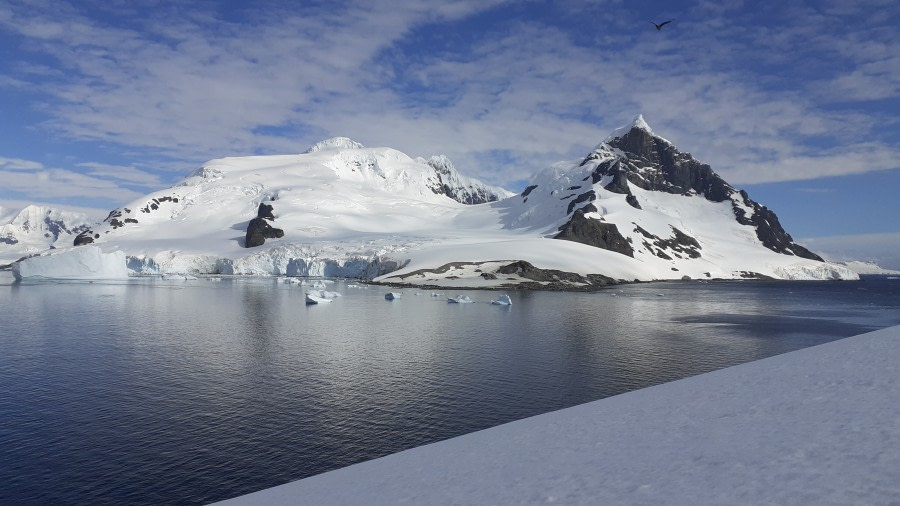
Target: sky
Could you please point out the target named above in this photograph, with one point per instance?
(797, 102)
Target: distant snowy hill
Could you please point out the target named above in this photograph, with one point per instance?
(867, 268)
(37, 228)
(635, 208)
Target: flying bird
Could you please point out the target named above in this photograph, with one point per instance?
(664, 23)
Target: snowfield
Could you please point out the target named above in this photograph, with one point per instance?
(815, 426)
(375, 213)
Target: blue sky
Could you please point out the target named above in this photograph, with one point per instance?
(796, 102)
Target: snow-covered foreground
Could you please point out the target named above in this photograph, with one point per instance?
(815, 426)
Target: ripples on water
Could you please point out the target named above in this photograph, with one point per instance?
(153, 391)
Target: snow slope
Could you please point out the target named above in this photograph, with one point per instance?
(815, 426)
(347, 210)
(35, 229)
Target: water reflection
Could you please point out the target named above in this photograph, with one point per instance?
(118, 392)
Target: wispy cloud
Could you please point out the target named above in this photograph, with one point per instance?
(503, 92)
(19, 164)
(125, 174)
(39, 182)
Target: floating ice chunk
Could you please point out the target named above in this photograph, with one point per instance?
(315, 299)
(437, 294)
(82, 262)
(503, 300)
(460, 299)
(392, 295)
(319, 296)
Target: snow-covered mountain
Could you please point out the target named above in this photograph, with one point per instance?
(861, 267)
(37, 228)
(635, 208)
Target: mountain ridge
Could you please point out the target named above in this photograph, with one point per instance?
(37, 228)
(634, 208)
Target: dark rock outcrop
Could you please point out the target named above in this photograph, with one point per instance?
(265, 212)
(85, 237)
(633, 201)
(768, 229)
(595, 233)
(558, 280)
(680, 244)
(588, 196)
(258, 231)
(153, 205)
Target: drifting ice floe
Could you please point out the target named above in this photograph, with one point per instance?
(319, 296)
(315, 299)
(392, 295)
(460, 299)
(503, 300)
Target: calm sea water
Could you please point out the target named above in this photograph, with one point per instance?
(162, 392)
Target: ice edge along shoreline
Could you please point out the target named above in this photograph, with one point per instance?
(817, 425)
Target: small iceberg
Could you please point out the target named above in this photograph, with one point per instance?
(82, 262)
(320, 296)
(503, 300)
(437, 294)
(315, 299)
(460, 299)
(392, 295)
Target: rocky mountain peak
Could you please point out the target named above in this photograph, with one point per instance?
(448, 181)
(631, 167)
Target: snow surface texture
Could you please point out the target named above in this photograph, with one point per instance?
(86, 262)
(35, 229)
(815, 426)
(351, 211)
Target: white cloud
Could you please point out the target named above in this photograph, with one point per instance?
(122, 173)
(26, 177)
(19, 164)
(502, 105)
(849, 160)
